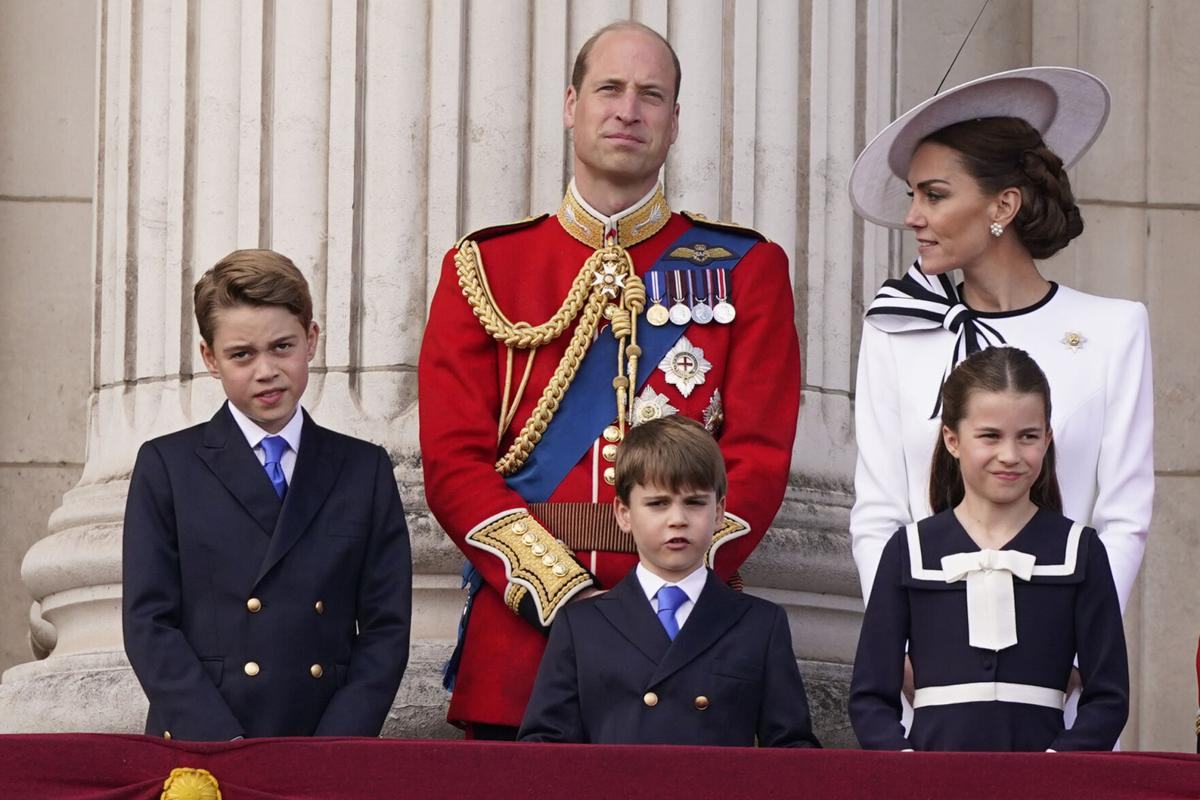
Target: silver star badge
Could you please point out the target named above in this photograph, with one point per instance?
(651, 405)
(609, 278)
(714, 415)
(685, 366)
(1074, 340)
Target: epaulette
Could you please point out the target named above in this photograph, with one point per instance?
(704, 221)
(496, 230)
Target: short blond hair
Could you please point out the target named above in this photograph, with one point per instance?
(250, 278)
(673, 453)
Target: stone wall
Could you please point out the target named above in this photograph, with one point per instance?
(362, 138)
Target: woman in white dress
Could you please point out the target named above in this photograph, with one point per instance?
(985, 166)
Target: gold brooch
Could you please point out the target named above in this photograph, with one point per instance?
(185, 783)
(1073, 340)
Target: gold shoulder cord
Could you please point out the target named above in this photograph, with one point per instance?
(605, 286)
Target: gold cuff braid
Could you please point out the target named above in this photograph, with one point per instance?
(733, 528)
(536, 563)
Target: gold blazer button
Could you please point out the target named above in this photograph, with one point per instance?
(701, 703)
(650, 699)
(254, 605)
(319, 607)
(316, 671)
(251, 668)
(166, 734)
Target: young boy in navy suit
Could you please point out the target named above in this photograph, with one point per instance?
(267, 575)
(671, 655)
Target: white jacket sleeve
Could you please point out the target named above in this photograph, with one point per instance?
(1125, 471)
(880, 478)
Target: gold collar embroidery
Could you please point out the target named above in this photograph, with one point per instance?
(635, 224)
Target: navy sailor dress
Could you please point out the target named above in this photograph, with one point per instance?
(991, 677)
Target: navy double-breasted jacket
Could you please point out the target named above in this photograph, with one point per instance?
(247, 616)
(611, 675)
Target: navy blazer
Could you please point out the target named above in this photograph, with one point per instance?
(610, 675)
(245, 616)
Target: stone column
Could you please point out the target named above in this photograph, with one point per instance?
(361, 139)
(1139, 190)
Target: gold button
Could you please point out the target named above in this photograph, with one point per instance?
(610, 475)
(612, 434)
(166, 734)
(609, 451)
(529, 538)
(539, 549)
(254, 605)
(319, 607)
(549, 559)
(251, 668)
(650, 699)
(316, 671)
(560, 570)
(701, 702)
(519, 527)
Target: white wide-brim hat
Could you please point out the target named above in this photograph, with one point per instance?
(1067, 106)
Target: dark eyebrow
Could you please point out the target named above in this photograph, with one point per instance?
(931, 181)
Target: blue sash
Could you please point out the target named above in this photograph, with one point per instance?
(588, 405)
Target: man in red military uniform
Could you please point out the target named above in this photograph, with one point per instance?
(548, 338)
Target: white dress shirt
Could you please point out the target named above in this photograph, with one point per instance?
(254, 436)
(692, 586)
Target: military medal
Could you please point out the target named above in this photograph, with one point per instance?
(701, 311)
(685, 366)
(651, 405)
(724, 311)
(680, 314)
(657, 314)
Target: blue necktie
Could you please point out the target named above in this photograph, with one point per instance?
(274, 447)
(670, 598)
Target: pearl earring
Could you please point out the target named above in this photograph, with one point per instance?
(997, 229)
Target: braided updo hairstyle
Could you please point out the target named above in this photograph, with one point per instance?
(1003, 152)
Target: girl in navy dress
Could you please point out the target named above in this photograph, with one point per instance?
(996, 593)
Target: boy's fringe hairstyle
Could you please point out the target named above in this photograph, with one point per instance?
(671, 453)
(250, 278)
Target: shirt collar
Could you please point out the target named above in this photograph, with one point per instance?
(626, 228)
(254, 434)
(692, 585)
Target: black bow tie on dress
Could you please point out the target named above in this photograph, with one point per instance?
(920, 302)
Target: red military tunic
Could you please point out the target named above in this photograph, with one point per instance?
(749, 398)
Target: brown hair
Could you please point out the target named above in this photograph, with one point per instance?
(250, 278)
(1004, 152)
(581, 59)
(996, 369)
(672, 453)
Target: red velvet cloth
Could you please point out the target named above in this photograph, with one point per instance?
(127, 767)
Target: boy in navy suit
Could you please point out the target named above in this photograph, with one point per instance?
(267, 575)
(671, 655)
